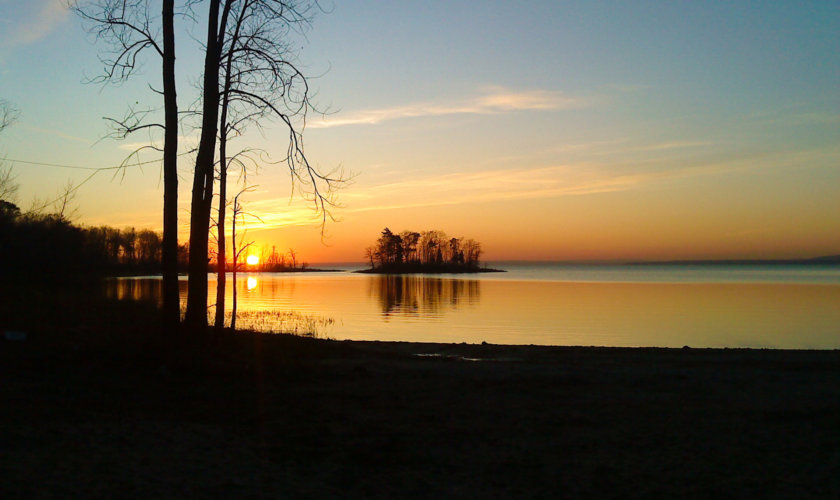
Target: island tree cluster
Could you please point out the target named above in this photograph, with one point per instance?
(425, 251)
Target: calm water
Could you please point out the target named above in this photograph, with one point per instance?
(794, 307)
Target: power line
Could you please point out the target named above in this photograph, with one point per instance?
(95, 170)
(80, 167)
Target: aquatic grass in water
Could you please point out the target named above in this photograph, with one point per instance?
(287, 322)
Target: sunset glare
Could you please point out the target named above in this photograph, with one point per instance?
(252, 260)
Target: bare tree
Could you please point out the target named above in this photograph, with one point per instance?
(202, 189)
(62, 209)
(293, 258)
(249, 39)
(472, 251)
(238, 249)
(370, 254)
(128, 28)
(240, 159)
(8, 187)
(8, 114)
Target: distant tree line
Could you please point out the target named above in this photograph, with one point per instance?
(39, 244)
(43, 244)
(269, 261)
(275, 261)
(426, 251)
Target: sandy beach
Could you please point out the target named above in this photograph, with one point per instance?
(290, 417)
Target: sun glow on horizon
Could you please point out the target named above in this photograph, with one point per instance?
(252, 260)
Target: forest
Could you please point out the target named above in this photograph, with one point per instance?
(426, 251)
(48, 244)
(38, 244)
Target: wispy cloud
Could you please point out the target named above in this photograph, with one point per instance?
(41, 18)
(58, 133)
(503, 185)
(496, 100)
(625, 147)
(576, 179)
(665, 146)
(588, 146)
(475, 187)
(280, 212)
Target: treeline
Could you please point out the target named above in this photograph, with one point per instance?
(426, 251)
(269, 261)
(39, 244)
(275, 261)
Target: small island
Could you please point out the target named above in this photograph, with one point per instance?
(426, 252)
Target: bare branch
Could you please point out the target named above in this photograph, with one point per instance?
(8, 114)
(8, 186)
(126, 27)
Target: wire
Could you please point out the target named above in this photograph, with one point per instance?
(79, 167)
(95, 170)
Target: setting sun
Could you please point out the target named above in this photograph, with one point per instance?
(252, 260)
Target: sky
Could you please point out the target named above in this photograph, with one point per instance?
(546, 130)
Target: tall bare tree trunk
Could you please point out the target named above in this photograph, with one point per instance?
(220, 225)
(196, 316)
(235, 266)
(171, 298)
(237, 250)
(221, 254)
(202, 190)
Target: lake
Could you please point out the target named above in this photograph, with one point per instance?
(790, 307)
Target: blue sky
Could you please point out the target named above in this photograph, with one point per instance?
(546, 130)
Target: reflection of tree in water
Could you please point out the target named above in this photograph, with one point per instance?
(145, 290)
(151, 289)
(260, 314)
(419, 295)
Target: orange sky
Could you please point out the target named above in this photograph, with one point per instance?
(559, 132)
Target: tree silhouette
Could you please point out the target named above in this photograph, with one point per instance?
(238, 248)
(427, 251)
(128, 28)
(202, 188)
(8, 114)
(261, 80)
(8, 187)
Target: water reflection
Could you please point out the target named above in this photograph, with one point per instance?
(418, 308)
(422, 296)
(263, 305)
(146, 290)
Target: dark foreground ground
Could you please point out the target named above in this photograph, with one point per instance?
(94, 408)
